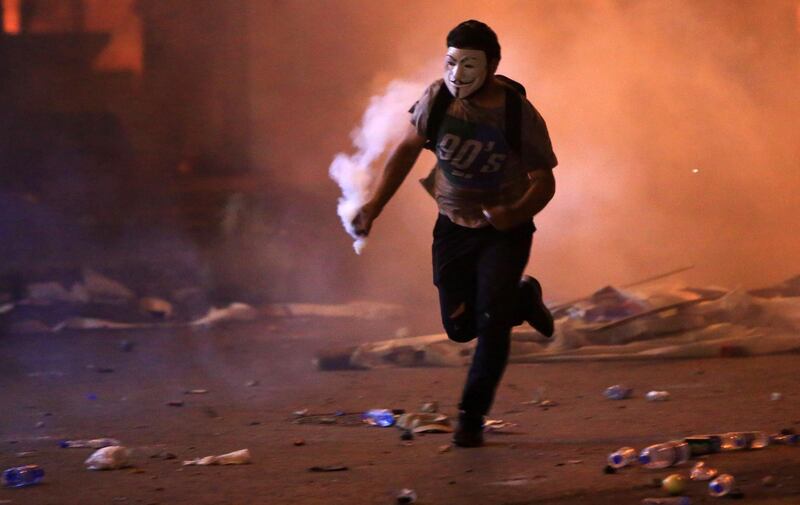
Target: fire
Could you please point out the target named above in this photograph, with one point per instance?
(11, 22)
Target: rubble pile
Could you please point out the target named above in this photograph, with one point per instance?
(614, 324)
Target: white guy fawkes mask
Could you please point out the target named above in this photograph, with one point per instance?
(464, 71)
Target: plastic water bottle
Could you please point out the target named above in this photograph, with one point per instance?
(22, 476)
(701, 445)
(732, 441)
(665, 454)
(722, 485)
(622, 457)
(95, 443)
(657, 396)
(618, 392)
(379, 417)
(756, 439)
(675, 500)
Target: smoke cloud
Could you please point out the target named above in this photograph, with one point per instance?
(382, 125)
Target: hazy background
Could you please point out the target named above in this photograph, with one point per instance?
(675, 124)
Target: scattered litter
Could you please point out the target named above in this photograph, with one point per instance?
(234, 312)
(545, 404)
(251, 383)
(95, 443)
(406, 496)
(300, 413)
(156, 307)
(701, 472)
(25, 454)
(429, 407)
(618, 392)
(768, 481)
(40, 424)
(240, 457)
(23, 476)
(574, 461)
(407, 435)
(108, 458)
(329, 468)
(496, 425)
(424, 422)
(379, 417)
(175, 403)
(444, 448)
(195, 391)
(775, 396)
(360, 310)
(674, 484)
(299, 442)
(6, 308)
(657, 396)
(724, 485)
(623, 456)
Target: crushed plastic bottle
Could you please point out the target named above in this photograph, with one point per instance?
(22, 476)
(406, 496)
(722, 485)
(618, 392)
(622, 457)
(665, 454)
(702, 472)
(95, 443)
(379, 417)
(657, 396)
(676, 500)
(732, 441)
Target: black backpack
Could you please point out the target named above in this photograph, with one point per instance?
(515, 92)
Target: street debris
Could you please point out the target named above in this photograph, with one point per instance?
(406, 496)
(379, 417)
(195, 391)
(657, 396)
(497, 425)
(723, 485)
(95, 443)
(112, 457)
(617, 324)
(618, 392)
(299, 442)
(361, 309)
(622, 457)
(424, 422)
(701, 472)
(674, 484)
(175, 403)
(23, 476)
(156, 307)
(240, 457)
(329, 468)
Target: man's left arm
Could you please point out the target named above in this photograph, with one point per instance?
(536, 198)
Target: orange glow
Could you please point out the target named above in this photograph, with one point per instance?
(798, 17)
(11, 16)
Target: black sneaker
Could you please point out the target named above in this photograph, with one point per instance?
(536, 312)
(469, 432)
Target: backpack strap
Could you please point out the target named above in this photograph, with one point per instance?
(513, 119)
(441, 102)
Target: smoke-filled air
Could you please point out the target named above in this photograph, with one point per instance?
(673, 122)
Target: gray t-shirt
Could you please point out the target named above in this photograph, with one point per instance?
(475, 166)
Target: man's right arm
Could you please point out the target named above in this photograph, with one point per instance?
(394, 173)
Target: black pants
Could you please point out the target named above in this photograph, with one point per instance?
(477, 272)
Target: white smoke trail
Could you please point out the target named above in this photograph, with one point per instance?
(382, 124)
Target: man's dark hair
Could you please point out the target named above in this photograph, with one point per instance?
(473, 34)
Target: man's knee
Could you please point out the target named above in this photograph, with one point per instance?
(458, 324)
